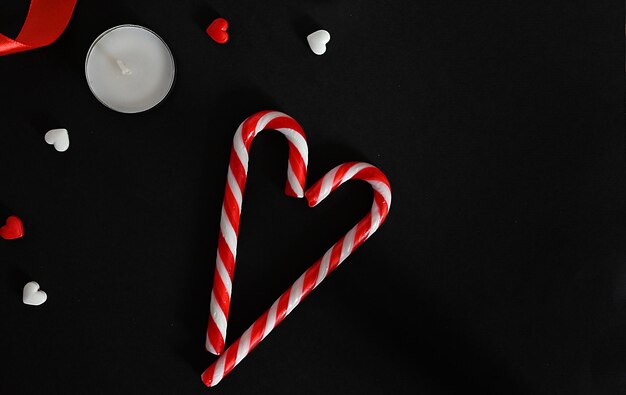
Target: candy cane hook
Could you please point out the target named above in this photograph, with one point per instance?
(320, 269)
(231, 208)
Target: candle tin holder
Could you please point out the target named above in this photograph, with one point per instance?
(157, 87)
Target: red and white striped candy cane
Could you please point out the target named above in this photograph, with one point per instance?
(320, 269)
(231, 208)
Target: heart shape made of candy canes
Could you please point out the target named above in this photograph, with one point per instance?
(229, 230)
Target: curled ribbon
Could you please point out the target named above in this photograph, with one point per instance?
(44, 23)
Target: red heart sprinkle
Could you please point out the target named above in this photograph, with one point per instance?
(217, 30)
(13, 229)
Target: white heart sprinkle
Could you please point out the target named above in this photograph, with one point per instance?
(59, 138)
(318, 40)
(32, 295)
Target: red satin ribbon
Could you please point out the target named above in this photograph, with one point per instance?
(44, 23)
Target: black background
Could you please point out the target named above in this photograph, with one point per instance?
(499, 270)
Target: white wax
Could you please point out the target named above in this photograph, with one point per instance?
(129, 69)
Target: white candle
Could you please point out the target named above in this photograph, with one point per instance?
(129, 69)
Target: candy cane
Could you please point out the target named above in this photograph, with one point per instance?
(231, 208)
(320, 269)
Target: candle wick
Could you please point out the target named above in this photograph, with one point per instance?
(125, 70)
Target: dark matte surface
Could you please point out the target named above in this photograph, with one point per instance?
(499, 124)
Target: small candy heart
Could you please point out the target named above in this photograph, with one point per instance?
(32, 295)
(59, 138)
(318, 40)
(13, 228)
(217, 30)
